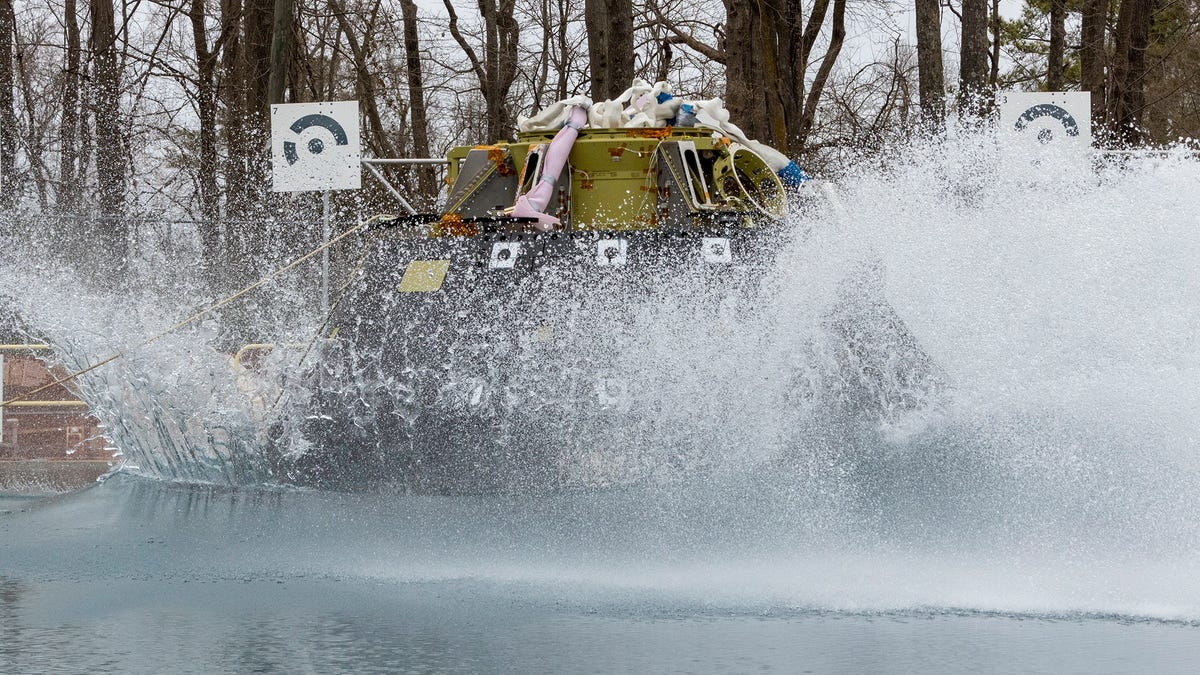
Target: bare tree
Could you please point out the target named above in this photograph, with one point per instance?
(206, 108)
(281, 49)
(110, 157)
(257, 18)
(545, 19)
(931, 84)
(231, 93)
(1128, 93)
(67, 195)
(377, 137)
(869, 108)
(836, 37)
(496, 69)
(767, 67)
(416, 95)
(36, 102)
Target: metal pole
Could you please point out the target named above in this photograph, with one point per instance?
(410, 160)
(395, 193)
(325, 234)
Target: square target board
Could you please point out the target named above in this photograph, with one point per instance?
(315, 146)
(1047, 117)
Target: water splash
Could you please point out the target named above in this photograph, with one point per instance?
(1058, 299)
(172, 408)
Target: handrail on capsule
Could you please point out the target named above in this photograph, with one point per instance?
(70, 403)
(23, 347)
(58, 403)
(263, 347)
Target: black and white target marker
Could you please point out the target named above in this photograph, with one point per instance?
(315, 146)
(1047, 117)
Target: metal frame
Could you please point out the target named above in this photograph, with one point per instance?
(372, 165)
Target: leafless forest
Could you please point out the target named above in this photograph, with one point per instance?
(114, 114)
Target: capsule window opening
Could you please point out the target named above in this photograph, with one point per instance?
(708, 161)
(529, 175)
(696, 175)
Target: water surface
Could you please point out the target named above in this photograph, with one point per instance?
(138, 575)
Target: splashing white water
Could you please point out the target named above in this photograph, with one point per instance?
(1058, 299)
(1061, 304)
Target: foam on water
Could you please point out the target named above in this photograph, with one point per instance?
(1056, 473)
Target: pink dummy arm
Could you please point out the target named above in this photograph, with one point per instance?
(533, 203)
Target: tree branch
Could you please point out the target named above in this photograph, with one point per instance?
(680, 37)
(462, 42)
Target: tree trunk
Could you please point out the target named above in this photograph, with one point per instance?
(973, 69)
(259, 15)
(426, 180)
(774, 88)
(543, 58)
(766, 47)
(206, 105)
(994, 78)
(931, 82)
(1092, 56)
(1128, 97)
(34, 142)
(595, 19)
(507, 31)
(802, 41)
(8, 123)
(110, 165)
(281, 49)
(1058, 40)
(236, 245)
(743, 73)
(67, 195)
(86, 137)
(610, 46)
(563, 49)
